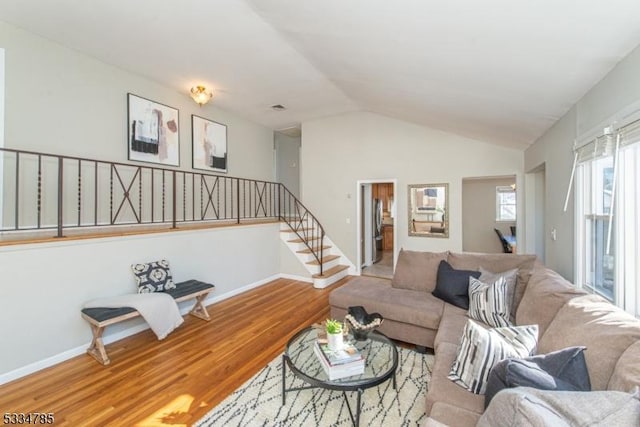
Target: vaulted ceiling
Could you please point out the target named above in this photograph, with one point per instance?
(501, 71)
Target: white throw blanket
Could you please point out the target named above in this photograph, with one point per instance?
(159, 310)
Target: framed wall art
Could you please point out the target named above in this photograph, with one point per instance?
(209, 140)
(154, 133)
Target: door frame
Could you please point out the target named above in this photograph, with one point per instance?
(359, 184)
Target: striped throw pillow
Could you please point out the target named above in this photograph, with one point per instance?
(488, 303)
(480, 349)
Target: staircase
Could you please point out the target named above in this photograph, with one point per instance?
(332, 267)
(306, 239)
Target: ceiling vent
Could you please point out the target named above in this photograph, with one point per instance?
(278, 107)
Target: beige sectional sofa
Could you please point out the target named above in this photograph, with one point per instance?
(566, 316)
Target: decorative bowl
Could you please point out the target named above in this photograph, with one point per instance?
(362, 322)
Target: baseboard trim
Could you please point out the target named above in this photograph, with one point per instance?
(296, 277)
(117, 336)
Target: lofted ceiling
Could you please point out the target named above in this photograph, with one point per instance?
(501, 71)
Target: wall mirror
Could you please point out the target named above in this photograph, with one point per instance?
(429, 210)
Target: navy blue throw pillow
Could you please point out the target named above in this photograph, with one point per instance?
(452, 285)
(564, 370)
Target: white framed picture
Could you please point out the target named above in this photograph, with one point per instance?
(209, 141)
(154, 132)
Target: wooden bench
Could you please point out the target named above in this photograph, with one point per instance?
(99, 317)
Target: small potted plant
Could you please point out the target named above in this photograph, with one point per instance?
(334, 334)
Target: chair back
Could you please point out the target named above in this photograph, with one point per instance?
(506, 247)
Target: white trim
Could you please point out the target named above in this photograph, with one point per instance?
(117, 336)
(296, 277)
(357, 271)
(620, 119)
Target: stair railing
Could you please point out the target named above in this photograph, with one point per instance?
(303, 223)
(50, 192)
(43, 191)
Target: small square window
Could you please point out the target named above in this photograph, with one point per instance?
(505, 203)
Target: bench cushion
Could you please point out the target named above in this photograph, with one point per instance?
(100, 314)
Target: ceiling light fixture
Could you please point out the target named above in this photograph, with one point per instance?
(201, 94)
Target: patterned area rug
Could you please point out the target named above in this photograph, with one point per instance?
(259, 401)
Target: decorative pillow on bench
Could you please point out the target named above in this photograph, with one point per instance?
(153, 276)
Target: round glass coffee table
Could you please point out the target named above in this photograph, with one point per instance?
(381, 361)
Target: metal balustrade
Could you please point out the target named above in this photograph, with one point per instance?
(42, 192)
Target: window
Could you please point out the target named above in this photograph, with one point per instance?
(505, 203)
(608, 217)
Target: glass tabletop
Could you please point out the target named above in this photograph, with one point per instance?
(378, 351)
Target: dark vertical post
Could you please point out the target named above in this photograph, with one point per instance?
(79, 192)
(238, 198)
(321, 251)
(17, 207)
(95, 193)
(60, 201)
(174, 200)
(39, 190)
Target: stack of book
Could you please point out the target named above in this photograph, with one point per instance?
(341, 363)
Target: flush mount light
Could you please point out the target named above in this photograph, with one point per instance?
(201, 95)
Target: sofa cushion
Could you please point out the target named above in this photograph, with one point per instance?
(450, 415)
(626, 375)
(545, 294)
(451, 327)
(525, 406)
(402, 305)
(510, 276)
(452, 285)
(417, 270)
(604, 329)
(441, 389)
(481, 349)
(498, 263)
(565, 369)
(488, 302)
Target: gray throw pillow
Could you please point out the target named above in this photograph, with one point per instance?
(509, 276)
(564, 370)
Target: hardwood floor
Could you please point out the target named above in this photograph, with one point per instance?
(178, 380)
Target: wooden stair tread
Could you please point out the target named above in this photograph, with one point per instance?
(303, 241)
(291, 230)
(325, 259)
(308, 251)
(330, 272)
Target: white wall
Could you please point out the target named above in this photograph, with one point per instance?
(615, 92)
(337, 151)
(64, 102)
(45, 285)
(479, 215)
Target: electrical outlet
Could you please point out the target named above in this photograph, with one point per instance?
(554, 234)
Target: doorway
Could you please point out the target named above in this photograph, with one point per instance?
(535, 182)
(376, 227)
(489, 204)
(287, 158)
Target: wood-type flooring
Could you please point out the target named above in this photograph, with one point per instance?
(178, 380)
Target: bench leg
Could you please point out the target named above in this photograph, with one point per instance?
(96, 348)
(199, 310)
